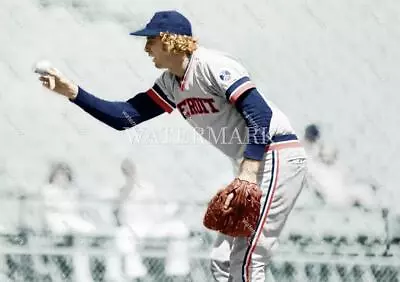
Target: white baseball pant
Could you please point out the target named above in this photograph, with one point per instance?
(281, 179)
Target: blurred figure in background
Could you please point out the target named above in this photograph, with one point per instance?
(141, 215)
(328, 179)
(61, 202)
(352, 205)
(126, 240)
(312, 139)
(64, 222)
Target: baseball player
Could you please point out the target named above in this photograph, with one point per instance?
(215, 94)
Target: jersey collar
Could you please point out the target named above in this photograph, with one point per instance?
(183, 82)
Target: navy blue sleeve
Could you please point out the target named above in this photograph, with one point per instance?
(257, 115)
(119, 115)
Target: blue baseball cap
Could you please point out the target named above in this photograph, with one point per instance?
(166, 21)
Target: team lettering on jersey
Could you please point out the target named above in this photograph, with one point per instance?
(197, 106)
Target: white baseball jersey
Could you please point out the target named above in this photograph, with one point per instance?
(205, 97)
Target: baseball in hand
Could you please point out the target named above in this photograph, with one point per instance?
(42, 67)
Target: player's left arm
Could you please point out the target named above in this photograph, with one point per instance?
(230, 79)
(257, 115)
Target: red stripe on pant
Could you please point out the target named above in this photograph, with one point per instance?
(264, 215)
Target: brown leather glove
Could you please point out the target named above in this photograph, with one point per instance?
(240, 218)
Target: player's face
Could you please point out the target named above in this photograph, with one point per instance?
(154, 47)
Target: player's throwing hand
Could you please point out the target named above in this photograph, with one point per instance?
(54, 80)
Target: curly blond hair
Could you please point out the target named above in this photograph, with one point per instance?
(175, 43)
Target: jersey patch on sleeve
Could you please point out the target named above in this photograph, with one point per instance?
(225, 75)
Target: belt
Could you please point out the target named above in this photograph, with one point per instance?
(283, 141)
